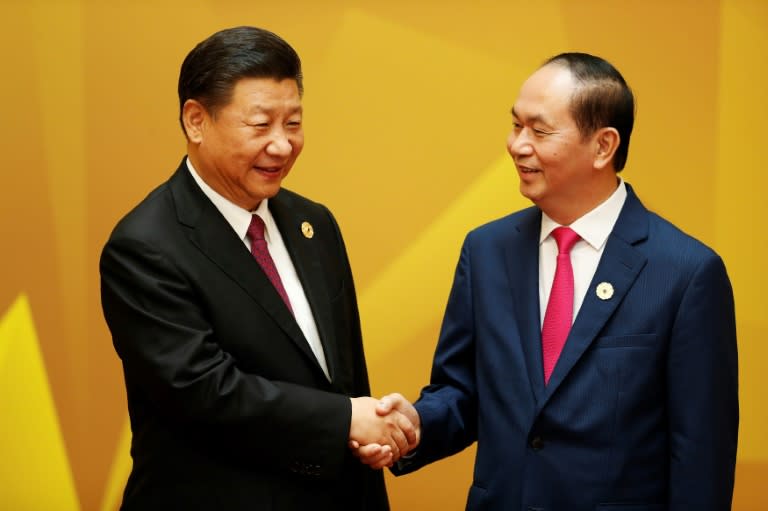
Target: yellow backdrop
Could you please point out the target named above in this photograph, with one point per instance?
(407, 110)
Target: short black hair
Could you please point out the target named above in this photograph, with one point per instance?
(213, 67)
(602, 99)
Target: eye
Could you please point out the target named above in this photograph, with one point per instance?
(260, 121)
(540, 132)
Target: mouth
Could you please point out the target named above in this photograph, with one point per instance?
(527, 170)
(272, 171)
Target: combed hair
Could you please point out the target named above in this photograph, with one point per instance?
(213, 67)
(602, 99)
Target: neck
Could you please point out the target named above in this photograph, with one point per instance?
(567, 211)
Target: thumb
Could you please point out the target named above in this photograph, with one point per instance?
(384, 406)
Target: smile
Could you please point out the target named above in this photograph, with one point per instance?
(269, 170)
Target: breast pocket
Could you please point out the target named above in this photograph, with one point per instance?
(633, 365)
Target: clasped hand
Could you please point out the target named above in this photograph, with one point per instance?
(382, 431)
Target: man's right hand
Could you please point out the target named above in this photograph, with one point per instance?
(404, 424)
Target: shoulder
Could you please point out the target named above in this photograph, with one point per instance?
(289, 207)
(289, 199)
(669, 250)
(665, 238)
(657, 238)
(522, 220)
(149, 217)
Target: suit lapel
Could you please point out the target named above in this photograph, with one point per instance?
(210, 232)
(619, 266)
(522, 265)
(307, 261)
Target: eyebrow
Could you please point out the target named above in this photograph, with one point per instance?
(532, 119)
(268, 110)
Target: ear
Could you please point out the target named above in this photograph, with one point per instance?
(606, 142)
(194, 116)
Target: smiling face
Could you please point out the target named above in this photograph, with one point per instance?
(560, 170)
(244, 149)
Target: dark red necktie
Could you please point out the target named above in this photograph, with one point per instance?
(261, 254)
(559, 314)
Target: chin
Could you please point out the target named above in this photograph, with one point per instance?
(528, 193)
(268, 193)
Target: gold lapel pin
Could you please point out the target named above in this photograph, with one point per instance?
(307, 230)
(604, 290)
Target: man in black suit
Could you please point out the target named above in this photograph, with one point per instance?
(244, 365)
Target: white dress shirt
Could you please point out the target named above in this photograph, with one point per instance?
(240, 219)
(594, 229)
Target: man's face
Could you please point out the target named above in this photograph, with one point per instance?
(246, 149)
(553, 160)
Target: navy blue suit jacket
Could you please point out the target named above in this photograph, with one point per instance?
(641, 412)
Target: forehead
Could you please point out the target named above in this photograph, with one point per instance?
(546, 94)
(267, 93)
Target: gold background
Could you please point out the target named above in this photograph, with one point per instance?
(407, 111)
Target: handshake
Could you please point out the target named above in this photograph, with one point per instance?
(383, 431)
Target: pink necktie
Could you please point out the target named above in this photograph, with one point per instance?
(261, 253)
(559, 315)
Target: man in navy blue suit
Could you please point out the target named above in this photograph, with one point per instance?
(636, 406)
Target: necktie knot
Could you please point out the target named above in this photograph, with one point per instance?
(256, 228)
(566, 238)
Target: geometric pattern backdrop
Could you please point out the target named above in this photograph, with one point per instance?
(406, 116)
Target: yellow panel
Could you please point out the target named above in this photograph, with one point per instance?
(741, 185)
(60, 90)
(121, 468)
(750, 494)
(411, 292)
(35, 472)
(401, 119)
(58, 52)
(399, 134)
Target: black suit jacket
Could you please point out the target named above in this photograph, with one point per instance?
(229, 408)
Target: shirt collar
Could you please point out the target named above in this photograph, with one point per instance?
(595, 226)
(235, 216)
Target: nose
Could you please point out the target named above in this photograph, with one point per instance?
(279, 145)
(518, 142)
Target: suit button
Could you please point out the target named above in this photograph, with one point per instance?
(537, 443)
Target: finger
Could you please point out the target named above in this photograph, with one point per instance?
(366, 450)
(376, 459)
(384, 406)
(406, 408)
(400, 441)
(409, 430)
(394, 443)
(384, 461)
(370, 451)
